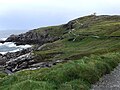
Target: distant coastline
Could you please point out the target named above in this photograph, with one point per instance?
(7, 33)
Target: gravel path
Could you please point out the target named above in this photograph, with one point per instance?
(109, 82)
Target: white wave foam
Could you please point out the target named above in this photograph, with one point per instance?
(11, 51)
(16, 50)
(8, 44)
(3, 39)
(24, 46)
(1, 44)
(21, 48)
(12, 45)
(3, 53)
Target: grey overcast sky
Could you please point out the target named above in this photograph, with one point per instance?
(30, 14)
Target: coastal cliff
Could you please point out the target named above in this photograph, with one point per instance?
(53, 33)
(80, 51)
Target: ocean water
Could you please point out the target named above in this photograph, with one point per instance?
(9, 46)
(7, 33)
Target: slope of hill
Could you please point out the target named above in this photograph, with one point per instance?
(85, 49)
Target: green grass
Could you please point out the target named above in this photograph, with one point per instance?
(64, 49)
(2, 75)
(89, 50)
(29, 85)
(105, 28)
(73, 75)
(85, 43)
(52, 31)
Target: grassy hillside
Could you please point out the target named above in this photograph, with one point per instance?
(90, 47)
(73, 75)
(98, 34)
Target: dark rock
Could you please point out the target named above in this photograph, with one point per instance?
(1, 41)
(7, 71)
(12, 55)
(2, 60)
(9, 68)
(31, 37)
(19, 63)
(23, 65)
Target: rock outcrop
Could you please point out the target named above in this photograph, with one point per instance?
(31, 37)
(19, 63)
(2, 60)
(24, 59)
(15, 61)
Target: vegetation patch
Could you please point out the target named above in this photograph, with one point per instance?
(73, 75)
(90, 46)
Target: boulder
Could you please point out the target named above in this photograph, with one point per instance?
(19, 63)
(2, 60)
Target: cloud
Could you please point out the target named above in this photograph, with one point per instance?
(28, 14)
(7, 6)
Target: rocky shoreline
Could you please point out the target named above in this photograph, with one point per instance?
(15, 61)
(10, 60)
(25, 59)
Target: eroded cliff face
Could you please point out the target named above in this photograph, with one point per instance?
(75, 33)
(53, 33)
(31, 37)
(39, 36)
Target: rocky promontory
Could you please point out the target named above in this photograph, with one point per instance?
(50, 38)
(83, 50)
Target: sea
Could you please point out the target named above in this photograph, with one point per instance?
(9, 46)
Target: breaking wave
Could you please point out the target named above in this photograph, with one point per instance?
(11, 47)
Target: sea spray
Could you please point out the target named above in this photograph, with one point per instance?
(11, 47)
